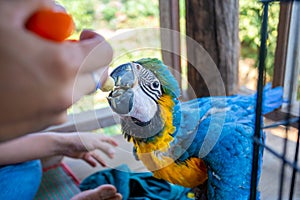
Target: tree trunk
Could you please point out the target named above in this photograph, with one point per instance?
(214, 25)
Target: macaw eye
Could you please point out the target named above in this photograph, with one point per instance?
(155, 84)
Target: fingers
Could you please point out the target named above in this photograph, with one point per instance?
(98, 52)
(106, 144)
(89, 34)
(86, 83)
(109, 140)
(59, 8)
(84, 145)
(92, 157)
(48, 68)
(91, 54)
(87, 157)
(92, 141)
(106, 148)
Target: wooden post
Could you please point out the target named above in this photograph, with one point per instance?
(214, 25)
(170, 37)
(282, 43)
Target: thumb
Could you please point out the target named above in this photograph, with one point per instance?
(98, 51)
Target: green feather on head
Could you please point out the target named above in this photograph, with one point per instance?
(169, 83)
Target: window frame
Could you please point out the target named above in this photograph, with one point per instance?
(292, 62)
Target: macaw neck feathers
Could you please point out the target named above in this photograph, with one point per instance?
(163, 138)
(155, 155)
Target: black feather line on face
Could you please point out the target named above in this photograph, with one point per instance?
(146, 78)
(147, 93)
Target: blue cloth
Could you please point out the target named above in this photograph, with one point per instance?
(20, 181)
(136, 186)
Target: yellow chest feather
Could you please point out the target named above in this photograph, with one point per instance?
(188, 174)
(191, 173)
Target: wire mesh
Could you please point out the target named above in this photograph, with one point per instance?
(288, 120)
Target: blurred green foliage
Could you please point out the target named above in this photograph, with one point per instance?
(83, 12)
(114, 15)
(249, 33)
(110, 130)
(118, 14)
(298, 89)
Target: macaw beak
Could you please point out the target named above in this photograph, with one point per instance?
(121, 98)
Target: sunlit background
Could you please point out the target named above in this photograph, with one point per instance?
(112, 17)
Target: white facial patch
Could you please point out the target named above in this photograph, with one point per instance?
(144, 108)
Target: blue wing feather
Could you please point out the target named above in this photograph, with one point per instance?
(220, 131)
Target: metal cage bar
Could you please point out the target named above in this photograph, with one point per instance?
(257, 143)
(295, 163)
(258, 111)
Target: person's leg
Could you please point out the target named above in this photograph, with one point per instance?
(20, 181)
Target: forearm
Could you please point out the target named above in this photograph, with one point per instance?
(39, 145)
(16, 129)
(30, 147)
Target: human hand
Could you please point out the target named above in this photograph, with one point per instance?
(92, 158)
(83, 146)
(40, 79)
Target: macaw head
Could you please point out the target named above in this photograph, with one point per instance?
(140, 89)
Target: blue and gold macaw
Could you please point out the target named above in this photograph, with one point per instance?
(202, 141)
